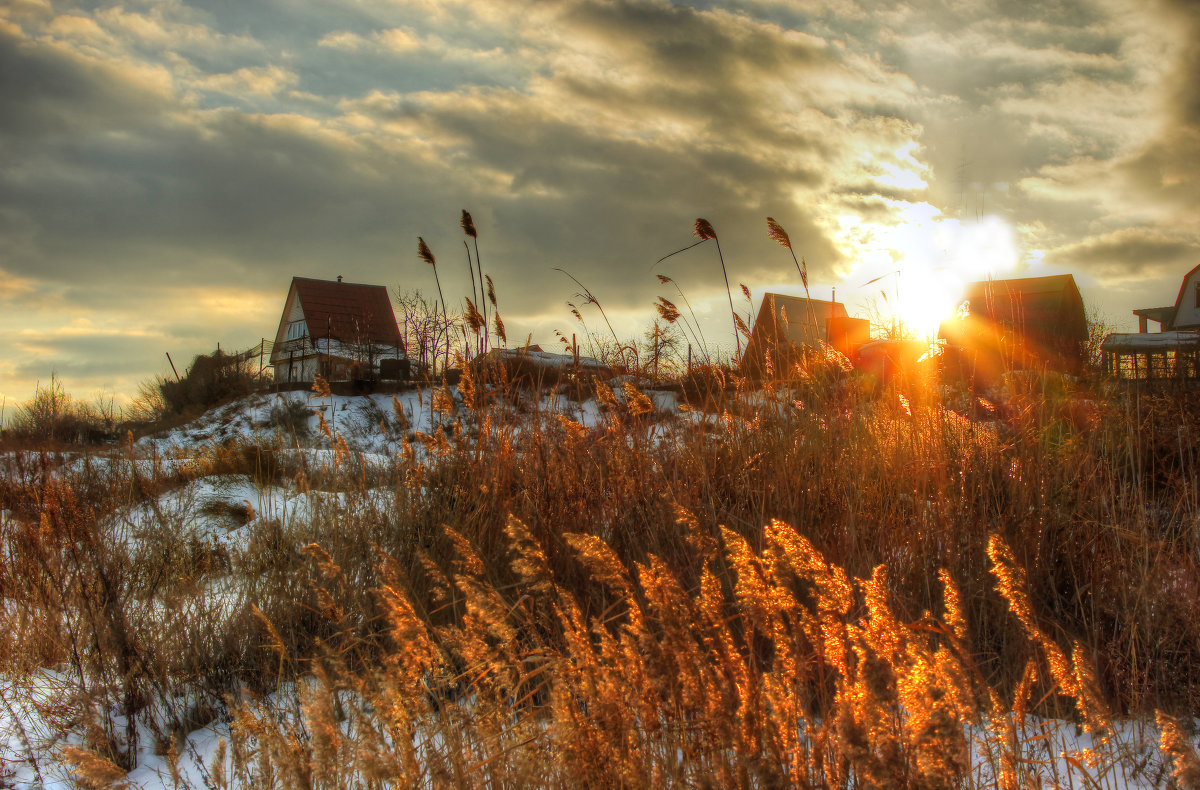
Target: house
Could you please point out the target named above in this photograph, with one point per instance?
(530, 366)
(1184, 315)
(1173, 352)
(1033, 322)
(343, 331)
(786, 325)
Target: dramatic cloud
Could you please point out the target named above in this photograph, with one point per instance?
(1131, 254)
(167, 166)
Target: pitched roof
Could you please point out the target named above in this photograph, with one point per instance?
(350, 312)
(1176, 322)
(1035, 304)
(797, 319)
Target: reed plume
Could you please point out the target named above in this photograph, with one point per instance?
(475, 320)
(777, 234)
(498, 327)
(425, 254)
(704, 230)
(693, 326)
(666, 310)
(468, 226)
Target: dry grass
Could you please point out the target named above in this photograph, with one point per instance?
(810, 587)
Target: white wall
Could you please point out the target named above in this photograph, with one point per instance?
(1187, 315)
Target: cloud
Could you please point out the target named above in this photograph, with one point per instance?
(14, 289)
(1130, 254)
(262, 81)
(160, 152)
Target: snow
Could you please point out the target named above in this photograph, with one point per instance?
(226, 511)
(1053, 753)
(1150, 341)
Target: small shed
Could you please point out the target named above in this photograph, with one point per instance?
(343, 331)
(1016, 324)
(787, 325)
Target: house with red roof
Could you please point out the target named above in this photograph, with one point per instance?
(343, 331)
(1172, 353)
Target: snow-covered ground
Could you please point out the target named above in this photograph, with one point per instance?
(224, 512)
(1054, 754)
(373, 424)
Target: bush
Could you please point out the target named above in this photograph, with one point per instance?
(212, 379)
(292, 416)
(52, 414)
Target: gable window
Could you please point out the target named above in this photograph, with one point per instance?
(297, 330)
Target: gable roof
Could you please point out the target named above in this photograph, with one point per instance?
(1036, 305)
(1183, 285)
(784, 325)
(349, 312)
(1176, 318)
(796, 319)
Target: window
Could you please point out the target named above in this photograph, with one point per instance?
(297, 330)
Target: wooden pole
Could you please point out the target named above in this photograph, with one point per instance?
(53, 406)
(173, 370)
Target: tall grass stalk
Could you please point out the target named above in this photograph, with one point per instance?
(703, 229)
(468, 226)
(816, 585)
(425, 254)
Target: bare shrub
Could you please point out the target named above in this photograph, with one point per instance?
(211, 380)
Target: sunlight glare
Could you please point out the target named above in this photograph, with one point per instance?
(931, 258)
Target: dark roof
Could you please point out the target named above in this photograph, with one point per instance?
(784, 326)
(1162, 315)
(794, 318)
(1036, 305)
(350, 312)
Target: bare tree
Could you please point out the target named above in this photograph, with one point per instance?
(662, 346)
(425, 331)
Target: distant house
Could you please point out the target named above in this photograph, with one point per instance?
(1171, 353)
(1183, 315)
(533, 367)
(341, 330)
(1034, 322)
(786, 325)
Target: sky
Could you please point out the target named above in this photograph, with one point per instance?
(166, 167)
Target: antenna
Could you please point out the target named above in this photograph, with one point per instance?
(961, 176)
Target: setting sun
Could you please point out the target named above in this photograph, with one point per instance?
(912, 274)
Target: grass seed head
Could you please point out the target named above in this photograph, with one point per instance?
(667, 310)
(777, 234)
(424, 253)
